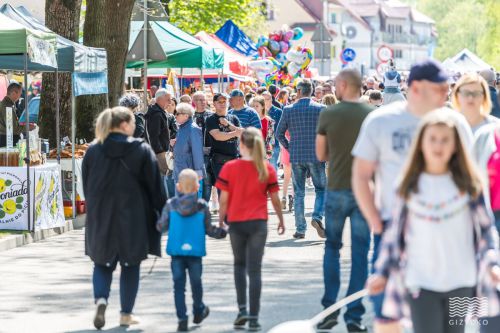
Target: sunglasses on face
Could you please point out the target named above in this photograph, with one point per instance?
(473, 94)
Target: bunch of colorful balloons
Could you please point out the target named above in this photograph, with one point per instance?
(278, 43)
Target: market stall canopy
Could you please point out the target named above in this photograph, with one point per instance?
(71, 56)
(465, 61)
(169, 47)
(234, 61)
(18, 39)
(230, 34)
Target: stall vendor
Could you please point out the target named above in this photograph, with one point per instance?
(14, 92)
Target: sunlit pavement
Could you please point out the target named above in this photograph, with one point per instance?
(46, 286)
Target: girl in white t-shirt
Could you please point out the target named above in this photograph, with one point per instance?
(441, 248)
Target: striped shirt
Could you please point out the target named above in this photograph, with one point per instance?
(247, 116)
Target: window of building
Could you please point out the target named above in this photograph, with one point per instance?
(333, 18)
(398, 54)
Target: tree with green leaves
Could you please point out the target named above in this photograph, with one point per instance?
(471, 24)
(209, 15)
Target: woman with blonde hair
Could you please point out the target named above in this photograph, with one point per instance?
(329, 99)
(471, 96)
(123, 192)
(245, 185)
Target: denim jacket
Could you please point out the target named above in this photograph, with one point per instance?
(188, 149)
(391, 262)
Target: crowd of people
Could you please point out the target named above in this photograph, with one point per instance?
(411, 161)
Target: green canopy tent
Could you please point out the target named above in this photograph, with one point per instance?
(170, 47)
(35, 47)
(166, 46)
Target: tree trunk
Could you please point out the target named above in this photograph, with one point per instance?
(107, 25)
(62, 17)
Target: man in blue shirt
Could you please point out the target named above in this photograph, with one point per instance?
(247, 116)
(275, 114)
(301, 120)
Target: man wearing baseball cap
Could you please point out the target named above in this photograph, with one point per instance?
(224, 130)
(381, 150)
(247, 116)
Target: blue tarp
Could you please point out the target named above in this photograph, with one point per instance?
(90, 83)
(237, 39)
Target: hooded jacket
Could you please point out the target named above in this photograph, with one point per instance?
(124, 195)
(188, 220)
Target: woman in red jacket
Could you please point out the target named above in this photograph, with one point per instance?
(245, 185)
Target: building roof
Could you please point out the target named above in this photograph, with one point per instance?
(366, 8)
(420, 17)
(313, 7)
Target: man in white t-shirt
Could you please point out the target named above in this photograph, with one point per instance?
(381, 150)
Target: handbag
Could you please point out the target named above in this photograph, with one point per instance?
(169, 156)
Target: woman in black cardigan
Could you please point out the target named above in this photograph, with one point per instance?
(124, 193)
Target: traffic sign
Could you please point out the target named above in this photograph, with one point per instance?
(384, 53)
(348, 54)
(382, 68)
(321, 34)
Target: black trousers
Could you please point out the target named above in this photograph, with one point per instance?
(248, 240)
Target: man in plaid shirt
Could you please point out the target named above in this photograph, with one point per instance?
(300, 120)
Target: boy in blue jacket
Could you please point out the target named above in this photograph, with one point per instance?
(188, 220)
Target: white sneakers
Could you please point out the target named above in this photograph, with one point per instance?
(100, 314)
(128, 319)
(99, 318)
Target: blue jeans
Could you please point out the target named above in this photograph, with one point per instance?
(276, 156)
(129, 284)
(378, 300)
(207, 181)
(318, 175)
(169, 183)
(340, 205)
(193, 265)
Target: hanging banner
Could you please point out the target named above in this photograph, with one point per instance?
(48, 208)
(90, 83)
(41, 51)
(13, 199)
(9, 127)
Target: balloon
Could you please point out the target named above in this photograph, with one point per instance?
(288, 35)
(275, 37)
(298, 33)
(274, 47)
(261, 76)
(262, 41)
(293, 68)
(281, 57)
(264, 52)
(284, 47)
(299, 60)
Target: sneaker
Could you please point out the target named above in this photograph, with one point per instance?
(214, 207)
(241, 320)
(298, 235)
(198, 318)
(253, 325)
(329, 322)
(319, 228)
(127, 319)
(356, 327)
(99, 318)
(283, 203)
(183, 326)
(290, 203)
